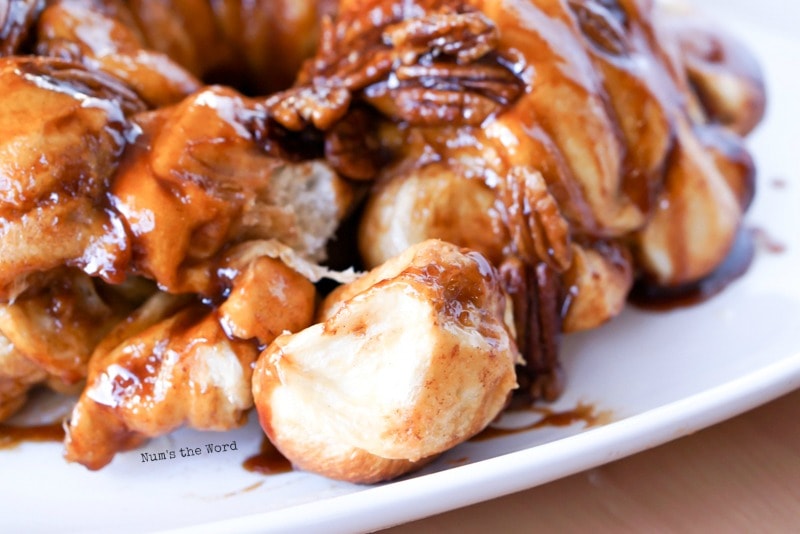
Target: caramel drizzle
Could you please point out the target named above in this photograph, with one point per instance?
(11, 436)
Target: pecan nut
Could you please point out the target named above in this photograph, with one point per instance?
(539, 231)
(433, 67)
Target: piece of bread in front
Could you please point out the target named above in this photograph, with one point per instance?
(408, 361)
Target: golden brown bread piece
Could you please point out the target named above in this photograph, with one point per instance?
(266, 297)
(725, 77)
(167, 49)
(407, 362)
(176, 362)
(95, 185)
(56, 168)
(18, 375)
(203, 176)
(173, 368)
(48, 333)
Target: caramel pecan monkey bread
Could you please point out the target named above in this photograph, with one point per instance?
(183, 180)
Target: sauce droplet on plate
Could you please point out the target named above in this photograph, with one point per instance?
(779, 183)
(11, 436)
(765, 241)
(582, 413)
(268, 461)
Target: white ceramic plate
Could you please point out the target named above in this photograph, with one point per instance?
(660, 376)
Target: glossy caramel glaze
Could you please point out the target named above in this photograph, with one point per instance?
(56, 170)
(582, 413)
(11, 436)
(268, 461)
(173, 368)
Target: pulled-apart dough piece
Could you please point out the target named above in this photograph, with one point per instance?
(48, 334)
(64, 128)
(100, 37)
(173, 368)
(724, 75)
(177, 362)
(199, 179)
(266, 298)
(18, 375)
(411, 360)
(598, 283)
(432, 202)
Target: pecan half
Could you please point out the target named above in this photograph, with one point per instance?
(353, 147)
(539, 231)
(535, 293)
(444, 93)
(319, 106)
(466, 36)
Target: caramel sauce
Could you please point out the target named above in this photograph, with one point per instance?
(652, 297)
(779, 183)
(764, 241)
(11, 436)
(248, 489)
(582, 413)
(268, 461)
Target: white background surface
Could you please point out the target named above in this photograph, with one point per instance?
(660, 375)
